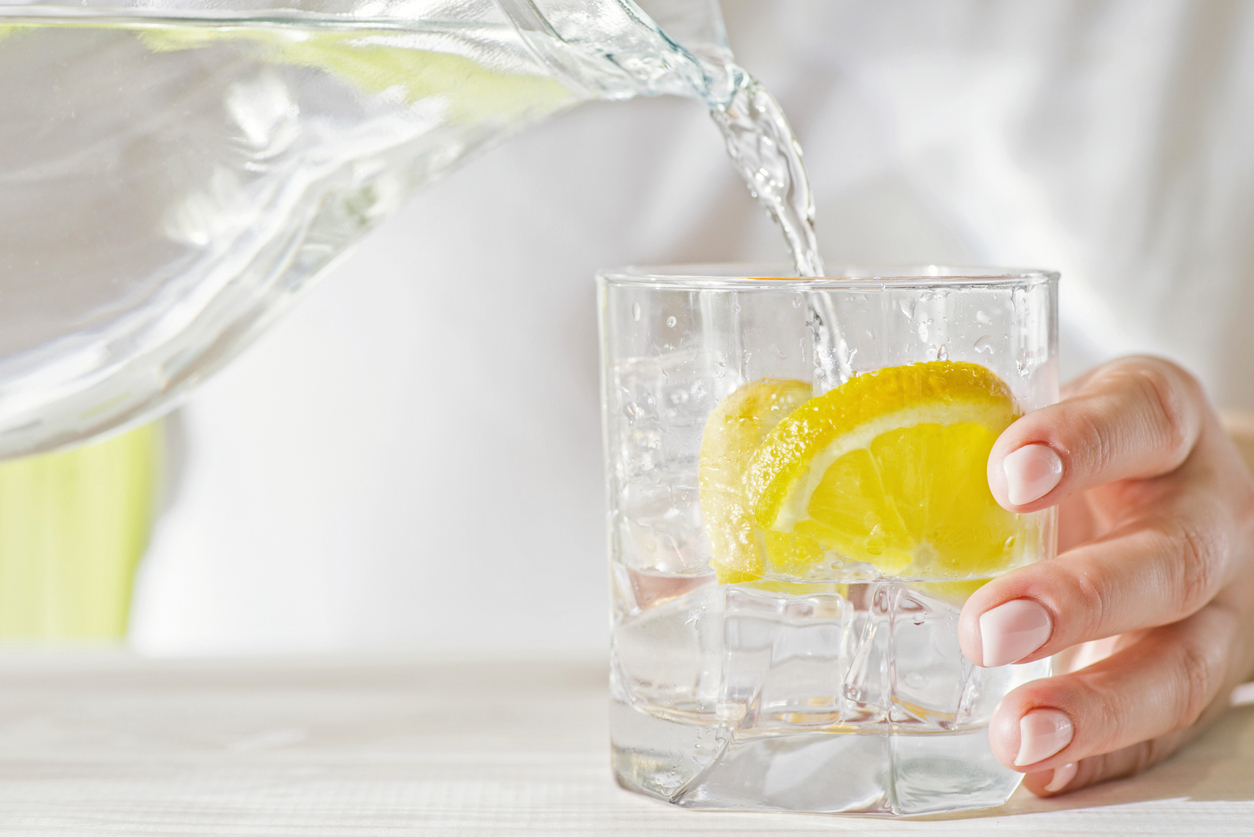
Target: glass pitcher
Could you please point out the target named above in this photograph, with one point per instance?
(177, 172)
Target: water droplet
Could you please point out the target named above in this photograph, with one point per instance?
(942, 353)
(875, 543)
(982, 318)
(984, 345)
(670, 322)
(914, 679)
(796, 302)
(635, 311)
(922, 331)
(1010, 542)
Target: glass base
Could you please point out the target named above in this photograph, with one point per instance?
(886, 774)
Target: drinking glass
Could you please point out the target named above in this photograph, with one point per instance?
(837, 685)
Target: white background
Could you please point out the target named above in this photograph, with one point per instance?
(411, 460)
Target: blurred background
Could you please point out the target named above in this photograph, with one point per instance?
(411, 460)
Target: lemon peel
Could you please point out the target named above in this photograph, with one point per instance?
(369, 60)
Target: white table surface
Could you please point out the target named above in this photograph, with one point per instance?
(106, 743)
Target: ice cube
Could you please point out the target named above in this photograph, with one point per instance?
(929, 671)
(783, 656)
(666, 657)
(658, 407)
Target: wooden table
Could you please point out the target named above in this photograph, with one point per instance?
(105, 743)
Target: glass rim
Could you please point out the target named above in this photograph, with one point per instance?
(782, 277)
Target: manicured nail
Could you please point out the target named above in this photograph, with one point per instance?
(1062, 776)
(1011, 631)
(1042, 732)
(1031, 472)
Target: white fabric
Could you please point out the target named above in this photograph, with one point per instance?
(413, 457)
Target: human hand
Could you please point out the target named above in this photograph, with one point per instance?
(1151, 597)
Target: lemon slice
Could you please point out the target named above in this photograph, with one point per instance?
(890, 469)
(376, 61)
(742, 550)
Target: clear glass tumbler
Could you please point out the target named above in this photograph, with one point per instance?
(797, 512)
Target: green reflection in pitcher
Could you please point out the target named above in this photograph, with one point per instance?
(73, 526)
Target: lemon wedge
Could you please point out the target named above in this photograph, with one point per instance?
(377, 61)
(742, 550)
(889, 469)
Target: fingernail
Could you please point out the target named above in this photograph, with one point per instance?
(1031, 472)
(1062, 776)
(1042, 732)
(1011, 631)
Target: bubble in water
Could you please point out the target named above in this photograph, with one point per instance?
(923, 331)
(942, 353)
(914, 679)
(875, 541)
(1010, 542)
(635, 311)
(670, 322)
(796, 302)
(984, 345)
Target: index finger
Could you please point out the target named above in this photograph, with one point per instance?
(1133, 418)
